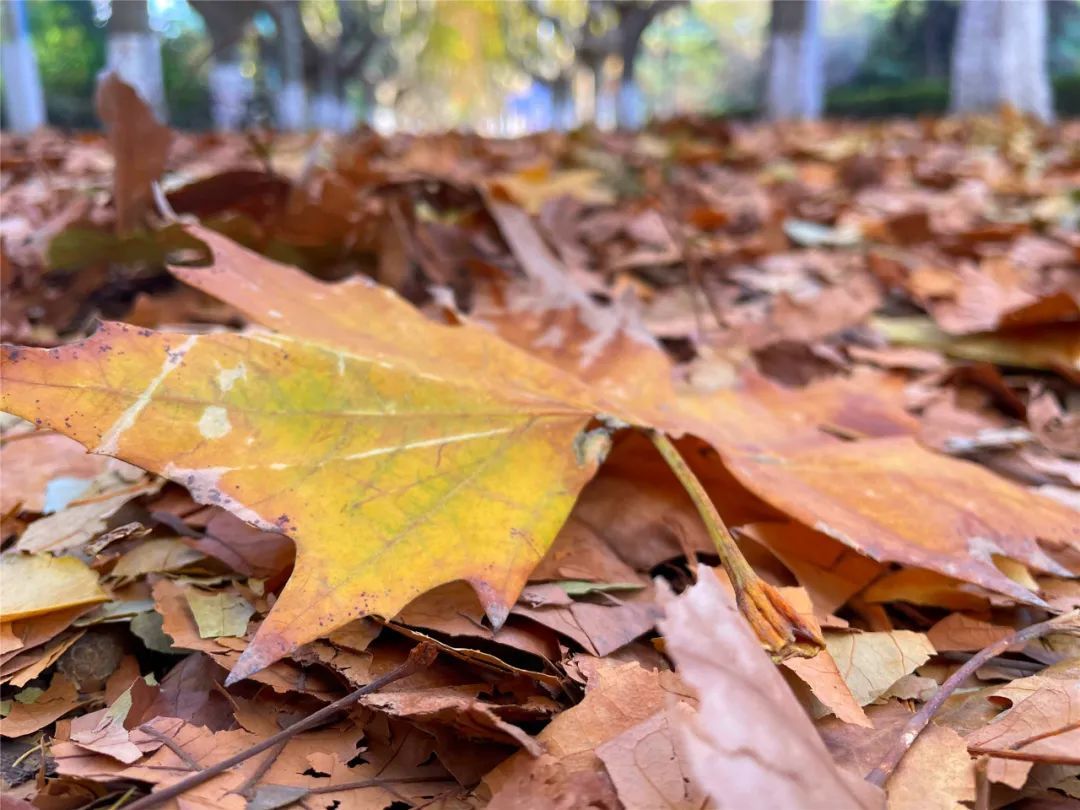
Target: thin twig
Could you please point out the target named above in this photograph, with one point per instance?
(376, 782)
(777, 624)
(921, 719)
(123, 798)
(172, 745)
(39, 748)
(248, 788)
(420, 657)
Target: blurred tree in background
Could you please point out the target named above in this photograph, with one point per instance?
(506, 67)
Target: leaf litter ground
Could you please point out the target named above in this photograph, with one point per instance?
(863, 338)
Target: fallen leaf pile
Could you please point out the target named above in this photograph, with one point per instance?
(347, 396)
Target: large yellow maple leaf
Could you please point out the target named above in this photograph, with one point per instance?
(399, 454)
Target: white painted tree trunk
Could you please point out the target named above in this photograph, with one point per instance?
(795, 78)
(292, 100)
(1000, 57)
(133, 52)
(332, 113)
(630, 111)
(292, 106)
(606, 95)
(136, 58)
(562, 107)
(585, 95)
(230, 93)
(24, 97)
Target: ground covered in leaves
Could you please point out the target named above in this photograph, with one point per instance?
(864, 338)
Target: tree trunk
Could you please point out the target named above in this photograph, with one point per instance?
(230, 90)
(939, 32)
(795, 80)
(24, 97)
(605, 100)
(1000, 57)
(133, 52)
(630, 106)
(562, 104)
(585, 94)
(329, 110)
(292, 99)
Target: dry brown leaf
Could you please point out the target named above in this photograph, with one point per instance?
(826, 683)
(830, 571)
(139, 143)
(1044, 727)
(244, 548)
(35, 584)
(546, 785)
(1011, 772)
(648, 768)
(619, 698)
(86, 517)
(56, 701)
(154, 556)
(936, 774)
(921, 587)
(460, 713)
(958, 631)
(29, 462)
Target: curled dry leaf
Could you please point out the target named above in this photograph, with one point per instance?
(87, 516)
(459, 712)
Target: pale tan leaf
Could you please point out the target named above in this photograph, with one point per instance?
(872, 662)
(647, 767)
(936, 774)
(219, 614)
(750, 738)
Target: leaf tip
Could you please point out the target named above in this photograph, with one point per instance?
(263, 651)
(494, 603)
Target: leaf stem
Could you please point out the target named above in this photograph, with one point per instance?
(781, 629)
(420, 657)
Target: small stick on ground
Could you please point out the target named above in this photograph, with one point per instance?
(782, 630)
(172, 745)
(420, 657)
(921, 719)
(247, 789)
